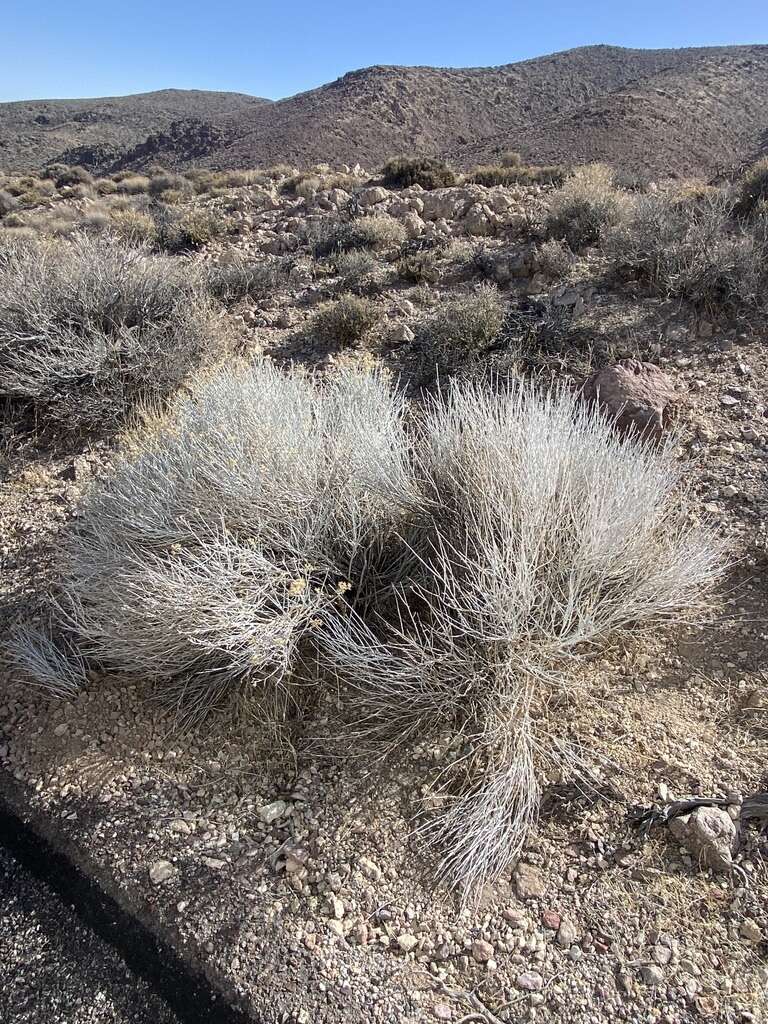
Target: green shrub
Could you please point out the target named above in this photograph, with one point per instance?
(188, 231)
(754, 189)
(346, 320)
(426, 171)
(360, 272)
(586, 205)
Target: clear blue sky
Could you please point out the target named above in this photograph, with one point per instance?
(55, 48)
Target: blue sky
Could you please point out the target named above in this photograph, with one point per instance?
(51, 48)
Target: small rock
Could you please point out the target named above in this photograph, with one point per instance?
(637, 396)
(402, 333)
(566, 934)
(652, 975)
(531, 981)
(215, 863)
(529, 881)
(750, 930)
(728, 401)
(161, 871)
(551, 919)
(442, 1011)
(482, 951)
(710, 835)
(271, 812)
(407, 942)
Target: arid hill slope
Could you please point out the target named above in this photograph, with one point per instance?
(690, 111)
(95, 132)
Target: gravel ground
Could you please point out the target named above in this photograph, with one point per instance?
(56, 970)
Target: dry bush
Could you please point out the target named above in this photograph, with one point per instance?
(418, 265)
(8, 203)
(105, 186)
(346, 320)
(427, 171)
(229, 532)
(74, 176)
(549, 537)
(132, 184)
(585, 206)
(189, 230)
(239, 278)
(378, 231)
(466, 325)
(162, 184)
(690, 249)
(447, 573)
(553, 258)
(136, 227)
(512, 174)
(511, 158)
(753, 189)
(89, 327)
(360, 272)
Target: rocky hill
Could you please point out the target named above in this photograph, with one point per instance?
(690, 111)
(97, 132)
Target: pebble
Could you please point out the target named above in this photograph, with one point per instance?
(529, 882)
(750, 930)
(271, 812)
(530, 981)
(482, 951)
(161, 871)
(652, 975)
(407, 942)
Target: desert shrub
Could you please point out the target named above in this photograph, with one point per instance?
(188, 230)
(427, 171)
(161, 184)
(346, 320)
(690, 250)
(105, 186)
(8, 203)
(360, 272)
(136, 227)
(753, 188)
(466, 325)
(239, 278)
(511, 158)
(586, 205)
(268, 503)
(490, 175)
(132, 184)
(420, 266)
(54, 171)
(90, 327)
(553, 258)
(549, 538)
(378, 231)
(276, 538)
(74, 176)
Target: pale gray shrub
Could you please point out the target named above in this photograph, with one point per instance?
(549, 537)
(441, 574)
(231, 530)
(90, 326)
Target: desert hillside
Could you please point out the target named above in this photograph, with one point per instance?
(97, 132)
(688, 111)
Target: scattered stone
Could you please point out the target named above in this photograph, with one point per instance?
(482, 951)
(529, 882)
(161, 871)
(442, 1011)
(215, 863)
(566, 934)
(530, 981)
(652, 975)
(402, 333)
(551, 919)
(407, 942)
(638, 396)
(710, 835)
(271, 812)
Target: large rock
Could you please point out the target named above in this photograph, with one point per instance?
(710, 834)
(638, 396)
(442, 204)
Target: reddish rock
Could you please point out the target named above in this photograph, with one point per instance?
(638, 396)
(551, 919)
